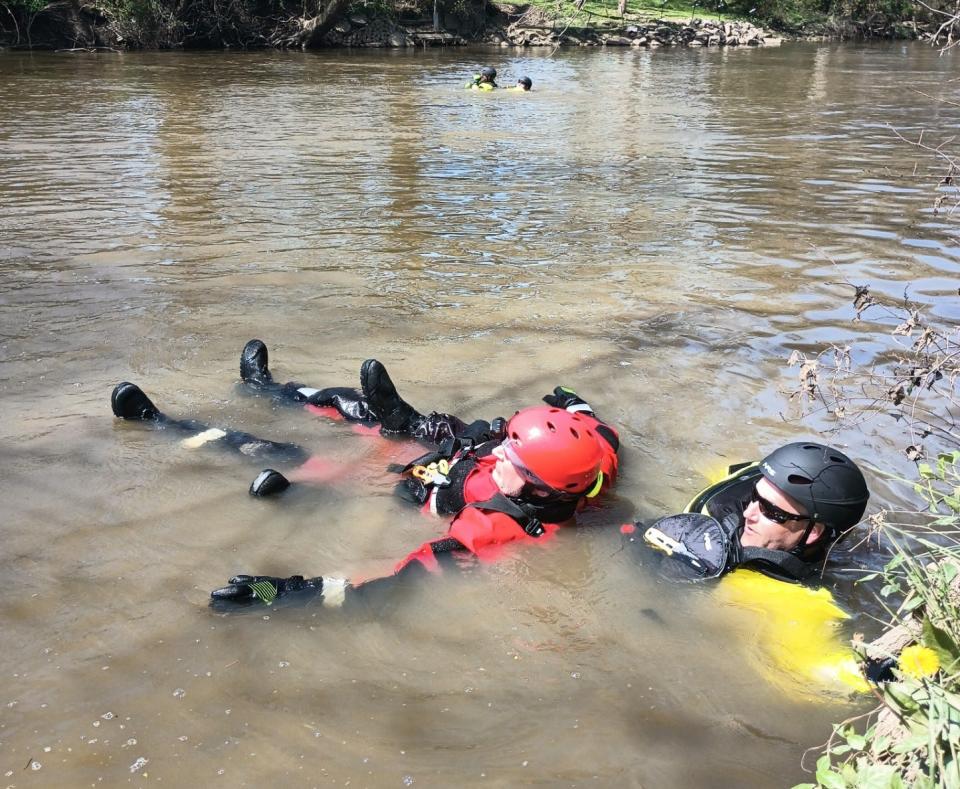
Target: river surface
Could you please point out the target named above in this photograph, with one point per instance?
(658, 230)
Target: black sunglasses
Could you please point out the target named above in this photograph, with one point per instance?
(773, 512)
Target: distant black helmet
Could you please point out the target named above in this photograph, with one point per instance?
(488, 72)
(824, 480)
(526, 82)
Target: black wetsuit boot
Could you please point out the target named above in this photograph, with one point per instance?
(400, 418)
(129, 402)
(254, 367)
(394, 413)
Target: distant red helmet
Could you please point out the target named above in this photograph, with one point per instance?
(554, 447)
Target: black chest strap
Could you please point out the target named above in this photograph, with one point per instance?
(500, 503)
(450, 496)
(450, 448)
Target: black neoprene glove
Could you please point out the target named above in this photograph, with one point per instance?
(247, 588)
(561, 397)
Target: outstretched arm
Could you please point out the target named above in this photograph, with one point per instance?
(255, 373)
(567, 399)
(374, 595)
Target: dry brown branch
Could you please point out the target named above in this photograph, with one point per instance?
(915, 385)
(940, 11)
(952, 162)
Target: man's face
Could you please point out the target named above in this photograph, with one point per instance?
(760, 531)
(505, 475)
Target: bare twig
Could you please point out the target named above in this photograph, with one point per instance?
(939, 11)
(570, 21)
(918, 143)
(15, 25)
(937, 98)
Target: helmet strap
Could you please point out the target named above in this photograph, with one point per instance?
(801, 546)
(596, 487)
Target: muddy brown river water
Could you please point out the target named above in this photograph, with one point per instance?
(656, 229)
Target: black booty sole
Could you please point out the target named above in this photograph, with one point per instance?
(129, 402)
(254, 363)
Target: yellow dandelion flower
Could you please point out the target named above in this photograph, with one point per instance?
(918, 662)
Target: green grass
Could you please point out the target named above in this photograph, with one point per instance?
(603, 12)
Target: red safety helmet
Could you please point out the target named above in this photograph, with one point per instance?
(554, 448)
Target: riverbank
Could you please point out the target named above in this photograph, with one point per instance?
(534, 30)
(119, 25)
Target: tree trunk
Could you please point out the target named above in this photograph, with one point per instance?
(314, 29)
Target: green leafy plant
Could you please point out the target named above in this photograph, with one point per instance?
(913, 737)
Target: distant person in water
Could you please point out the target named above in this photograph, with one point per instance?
(485, 80)
(523, 85)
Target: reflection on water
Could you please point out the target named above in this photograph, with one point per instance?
(658, 230)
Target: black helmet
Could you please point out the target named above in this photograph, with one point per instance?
(824, 480)
(488, 72)
(526, 82)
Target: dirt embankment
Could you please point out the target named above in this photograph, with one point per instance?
(535, 31)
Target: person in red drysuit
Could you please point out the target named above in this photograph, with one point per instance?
(521, 488)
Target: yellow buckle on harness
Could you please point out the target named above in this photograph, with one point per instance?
(433, 474)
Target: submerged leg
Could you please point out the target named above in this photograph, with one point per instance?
(255, 373)
(129, 402)
(376, 401)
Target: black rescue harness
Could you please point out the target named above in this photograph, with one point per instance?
(442, 475)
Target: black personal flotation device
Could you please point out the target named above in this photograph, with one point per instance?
(704, 541)
(440, 477)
